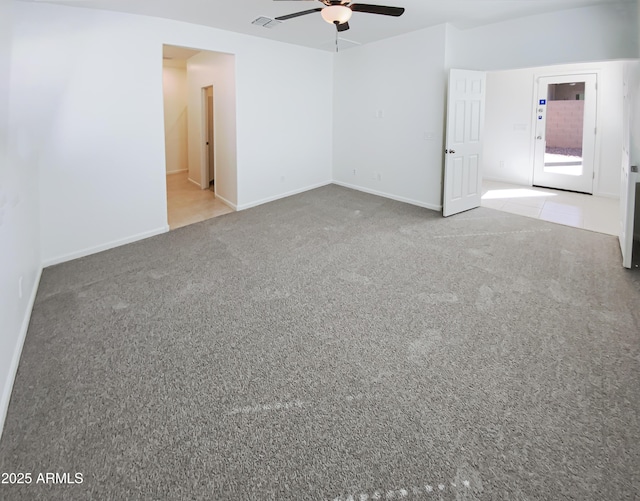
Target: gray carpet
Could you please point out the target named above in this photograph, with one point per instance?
(335, 345)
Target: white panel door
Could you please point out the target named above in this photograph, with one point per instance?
(627, 178)
(463, 147)
(565, 132)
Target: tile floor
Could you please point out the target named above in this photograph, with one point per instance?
(571, 209)
(188, 204)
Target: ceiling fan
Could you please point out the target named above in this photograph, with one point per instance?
(338, 12)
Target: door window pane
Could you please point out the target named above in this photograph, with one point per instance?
(564, 128)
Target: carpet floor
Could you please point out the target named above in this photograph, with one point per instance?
(334, 345)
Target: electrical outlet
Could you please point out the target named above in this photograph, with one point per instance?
(282, 178)
(354, 172)
(379, 176)
(502, 164)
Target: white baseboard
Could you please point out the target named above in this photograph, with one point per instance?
(180, 171)
(17, 352)
(606, 195)
(192, 181)
(283, 195)
(106, 246)
(388, 195)
(226, 202)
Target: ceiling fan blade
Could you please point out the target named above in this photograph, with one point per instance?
(377, 9)
(342, 27)
(298, 14)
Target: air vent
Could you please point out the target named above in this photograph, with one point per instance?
(266, 22)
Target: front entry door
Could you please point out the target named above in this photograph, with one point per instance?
(565, 132)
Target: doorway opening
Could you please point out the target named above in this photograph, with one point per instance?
(200, 134)
(207, 115)
(565, 133)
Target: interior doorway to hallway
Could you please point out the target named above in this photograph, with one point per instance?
(200, 134)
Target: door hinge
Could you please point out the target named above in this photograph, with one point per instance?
(595, 130)
(593, 175)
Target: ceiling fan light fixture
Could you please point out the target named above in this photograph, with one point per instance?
(336, 14)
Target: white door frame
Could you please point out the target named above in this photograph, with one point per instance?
(204, 154)
(538, 129)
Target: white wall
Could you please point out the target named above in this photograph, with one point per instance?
(597, 33)
(404, 78)
(93, 110)
(93, 80)
(285, 120)
(510, 119)
(507, 152)
(218, 70)
(19, 239)
(6, 22)
(174, 85)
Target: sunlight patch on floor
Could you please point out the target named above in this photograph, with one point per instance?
(571, 209)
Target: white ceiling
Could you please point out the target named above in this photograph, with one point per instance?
(312, 31)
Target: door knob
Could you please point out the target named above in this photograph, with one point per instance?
(539, 137)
